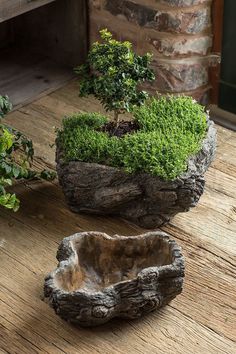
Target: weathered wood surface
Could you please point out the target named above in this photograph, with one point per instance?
(58, 30)
(100, 277)
(200, 320)
(25, 75)
(40, 48)
(13, 8)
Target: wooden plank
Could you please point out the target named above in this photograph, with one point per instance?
(40, 49)
(13, 8)
(58, 30)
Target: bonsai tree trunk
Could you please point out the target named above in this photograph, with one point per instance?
(116, 117)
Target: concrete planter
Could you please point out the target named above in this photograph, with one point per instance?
(100, 277)
(144, 199)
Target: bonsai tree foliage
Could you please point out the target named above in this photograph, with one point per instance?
(112, 74)
(16, 156)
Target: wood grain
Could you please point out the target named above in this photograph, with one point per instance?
(201, 320)
(40, 48)
(30, 75)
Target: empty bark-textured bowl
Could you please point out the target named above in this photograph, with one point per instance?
(147, 200)
(100, 277)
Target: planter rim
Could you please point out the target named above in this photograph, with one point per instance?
(176, 253)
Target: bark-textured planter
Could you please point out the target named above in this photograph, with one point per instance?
(100, 277)
(144, 199)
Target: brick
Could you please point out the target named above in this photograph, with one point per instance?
(160, 4)
(190, 22)
(184, 21)
(173, 34)
(140, 14)
(201, 94)
(96, 4)
(184, 46)
(179, 77)
(182, 3)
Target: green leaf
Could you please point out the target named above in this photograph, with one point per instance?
(16, 154)
(113, 73)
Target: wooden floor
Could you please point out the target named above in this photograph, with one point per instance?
(201, 320)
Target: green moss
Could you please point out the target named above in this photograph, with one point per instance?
(179, 115)
(154, 153)
(89, 120)
(84, 144)
(171, 130)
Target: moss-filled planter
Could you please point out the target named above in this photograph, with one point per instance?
(145, 171)
(100, 277)
(142, 198)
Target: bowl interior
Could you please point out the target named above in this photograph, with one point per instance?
(102, 262)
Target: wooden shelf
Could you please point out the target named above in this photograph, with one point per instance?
(25, 75)
(13, 8)
(40, 48)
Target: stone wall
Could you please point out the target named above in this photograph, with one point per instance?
(177, 32)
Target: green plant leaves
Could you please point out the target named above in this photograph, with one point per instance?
(9, 201)
(112, 74)
(5, 106)
(92, 120)
(172, 114)
(16, 155)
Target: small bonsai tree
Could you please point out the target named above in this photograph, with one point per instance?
(112, 74)
(16, 156)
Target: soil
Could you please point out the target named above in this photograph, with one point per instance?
(123, 128)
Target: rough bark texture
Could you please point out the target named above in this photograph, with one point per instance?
(144, 199)
(100, 277)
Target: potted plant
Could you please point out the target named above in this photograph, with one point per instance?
(16, 156)
(145, 170)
